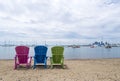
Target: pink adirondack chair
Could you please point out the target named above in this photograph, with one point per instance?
(22, 56)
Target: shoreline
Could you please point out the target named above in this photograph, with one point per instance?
(72, 59)
(74, 70)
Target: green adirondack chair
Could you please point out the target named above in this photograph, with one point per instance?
(57, 56)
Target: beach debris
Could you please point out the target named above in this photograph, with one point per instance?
(0, 78)
(18, 80)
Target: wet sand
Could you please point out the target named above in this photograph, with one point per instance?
(74, 70)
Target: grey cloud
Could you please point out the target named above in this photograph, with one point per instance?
(61, 20)
(5, 33)
(112, 2)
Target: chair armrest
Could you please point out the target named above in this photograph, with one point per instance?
(47, 57)
(29, 59)
(50, 57)
(15, 56)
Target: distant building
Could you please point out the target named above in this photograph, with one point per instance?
(99, 43)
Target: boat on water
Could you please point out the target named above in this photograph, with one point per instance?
(108, 46)
(74, 46)
(92, 46)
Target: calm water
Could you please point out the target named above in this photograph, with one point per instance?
(70, 53)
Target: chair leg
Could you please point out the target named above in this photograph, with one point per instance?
(51, 62)
(34, 66)
(15, 66)
(45, 65)
(63, 66)
(51, 66)
(28, 66)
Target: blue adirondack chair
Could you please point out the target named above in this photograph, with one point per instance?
(40, 56)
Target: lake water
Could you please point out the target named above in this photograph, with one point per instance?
(70, 53)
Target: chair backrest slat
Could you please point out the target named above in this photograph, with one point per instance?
(22, 53)
(57, 53)
(40, 53)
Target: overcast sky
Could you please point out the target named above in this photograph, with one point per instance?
(60, 20)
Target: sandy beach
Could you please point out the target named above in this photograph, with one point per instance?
(74, 70)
